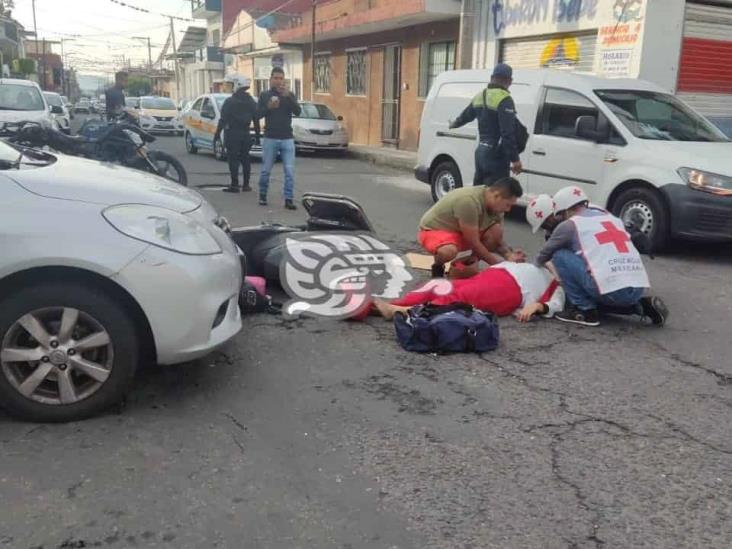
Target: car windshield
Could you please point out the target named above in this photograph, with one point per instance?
(54, 100)
(159, 103)
(724, 124)
(16, 97)
(220, 100)
(312, 111)
(659, 116)
(132, 102)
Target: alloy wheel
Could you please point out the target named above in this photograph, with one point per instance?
(57, 355)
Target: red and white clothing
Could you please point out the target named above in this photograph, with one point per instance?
(501, 289)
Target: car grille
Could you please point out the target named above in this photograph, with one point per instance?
(163, 118)
(713, 221)
(321, 132)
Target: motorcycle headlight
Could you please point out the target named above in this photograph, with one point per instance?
(162, 228)
(706, 181)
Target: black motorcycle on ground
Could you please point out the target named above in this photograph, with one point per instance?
(120, 141)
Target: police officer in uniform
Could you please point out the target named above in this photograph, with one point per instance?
(498, 151)
(237, 115)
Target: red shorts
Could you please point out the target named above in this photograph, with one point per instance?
(493, 290)
(434, 239)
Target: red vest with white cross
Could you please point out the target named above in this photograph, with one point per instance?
(611, 257)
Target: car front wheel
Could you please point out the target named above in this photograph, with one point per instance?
(68, 352)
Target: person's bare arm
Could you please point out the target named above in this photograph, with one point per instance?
(471, 234)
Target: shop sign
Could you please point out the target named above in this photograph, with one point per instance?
(508, 14)
(615, 63)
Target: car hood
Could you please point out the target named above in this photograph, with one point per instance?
(159, 112)
(21, 116)
(315, 124)
(713, 157)
(82, 180)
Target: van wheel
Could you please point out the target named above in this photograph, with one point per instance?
(445, 178)
(645, 209)
(190, 147)
(67, 352)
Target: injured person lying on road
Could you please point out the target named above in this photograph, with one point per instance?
(507, 288)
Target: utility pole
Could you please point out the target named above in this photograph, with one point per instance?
(45, 64)
(149, 50)
(312, 55)
(35, 28)
(467, 25)
(175, 55)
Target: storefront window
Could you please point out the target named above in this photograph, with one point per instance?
(322, 73)
(435, 58)
(356, 73)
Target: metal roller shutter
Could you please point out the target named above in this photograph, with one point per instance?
(705, 68)
(574, 52)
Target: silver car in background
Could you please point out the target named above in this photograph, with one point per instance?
(103, 268)
(59, 111)
(318, 129)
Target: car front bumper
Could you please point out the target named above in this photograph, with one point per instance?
(699, 215)
(422, 173)
(191, 302)
(321, 145)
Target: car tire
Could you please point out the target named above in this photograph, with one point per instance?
(445, 177)
(86, 396)
(645, 208)
(219, 151)
(190, 147)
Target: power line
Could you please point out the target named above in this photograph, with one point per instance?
(144, 10)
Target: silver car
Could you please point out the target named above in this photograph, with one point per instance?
(318, 129)
(59, 112)
(102, 268)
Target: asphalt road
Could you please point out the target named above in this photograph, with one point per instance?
(321, 434)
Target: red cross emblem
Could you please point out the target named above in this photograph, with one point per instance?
(540, 215)
(577, 191)
(613, 235)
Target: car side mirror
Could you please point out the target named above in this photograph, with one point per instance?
(340, 119)
(586, 128)
(57, 110)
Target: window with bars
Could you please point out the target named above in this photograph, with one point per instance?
(435, 58)
(356, 73)
(322, 73)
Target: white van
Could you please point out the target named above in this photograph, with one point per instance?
(641, 152)
(23, 101)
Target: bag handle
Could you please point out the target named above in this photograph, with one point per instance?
(429, 310)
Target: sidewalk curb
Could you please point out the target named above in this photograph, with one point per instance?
(378, 158)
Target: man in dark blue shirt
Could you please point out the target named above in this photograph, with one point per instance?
(115, 96)
(277, 106)
(498, 151)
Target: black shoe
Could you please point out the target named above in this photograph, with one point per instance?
(655, 309)
(438, 270)
(290, 205)
(262, 199)
(575, 316)
(232, 189)
(246, 189)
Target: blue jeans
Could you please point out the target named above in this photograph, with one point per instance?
(286, 149)
(581, 288)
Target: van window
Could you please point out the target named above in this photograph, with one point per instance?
(561, 110)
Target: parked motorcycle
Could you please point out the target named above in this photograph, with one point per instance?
(120, 142)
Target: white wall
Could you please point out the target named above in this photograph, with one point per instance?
(662, 43)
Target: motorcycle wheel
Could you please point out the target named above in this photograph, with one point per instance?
(169, 167)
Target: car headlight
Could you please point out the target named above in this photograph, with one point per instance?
(706, 181)
(162, 228)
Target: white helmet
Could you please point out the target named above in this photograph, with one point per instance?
(568, 197)
(539, 210)
(238, 81)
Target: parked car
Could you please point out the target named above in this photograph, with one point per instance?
(318, 129)
(640, 152)
(200, 122)
(83, 106)
(59, 112)
(69, 106)
(23, 100)
(159, 115)
(146, 273)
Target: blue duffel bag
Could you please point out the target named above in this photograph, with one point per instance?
(455, 328)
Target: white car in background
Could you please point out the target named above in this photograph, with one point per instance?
(159, 115)
(103, 268)
(318, 129)
(59, 112)
(22, 100)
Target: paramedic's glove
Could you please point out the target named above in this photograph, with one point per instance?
(517, 167)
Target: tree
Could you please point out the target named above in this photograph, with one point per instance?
(139, 85)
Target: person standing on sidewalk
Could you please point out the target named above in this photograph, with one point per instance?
(277, 106)
(237, 115)
(498, 148)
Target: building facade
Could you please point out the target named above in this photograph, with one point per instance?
(201, 61)
(683, 46)
(374, 62)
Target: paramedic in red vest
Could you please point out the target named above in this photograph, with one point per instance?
(498, 150)
(597, 263)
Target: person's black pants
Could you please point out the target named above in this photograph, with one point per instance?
(490, 165)
(238, 146)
